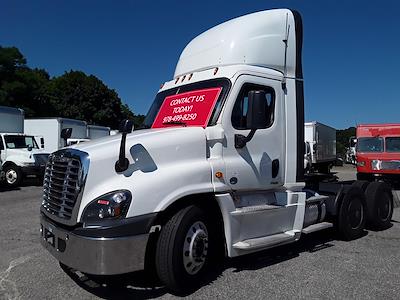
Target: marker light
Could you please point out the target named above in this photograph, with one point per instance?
(219, 174)
(176, 80)
(361, 163)
(215, 71)
(190, 76)
(183, 78)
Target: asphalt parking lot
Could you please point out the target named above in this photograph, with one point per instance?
(319, 266)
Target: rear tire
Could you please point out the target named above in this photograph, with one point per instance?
(380, 205)
(185, 248)
(352, 214)
(362, 184)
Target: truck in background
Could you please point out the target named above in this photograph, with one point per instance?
(378, 152)
(350, 156)
(95, 132)
(2, 176)
(20, 154)
(217, 169)
(50, 129)
(322, 141)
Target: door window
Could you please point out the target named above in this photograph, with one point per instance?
(239, 113)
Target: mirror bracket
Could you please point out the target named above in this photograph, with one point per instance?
(241, 140)
(122, 164)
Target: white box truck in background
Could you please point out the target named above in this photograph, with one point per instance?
(322, 141)
(20, 153)
(50, 129)
(95, 132)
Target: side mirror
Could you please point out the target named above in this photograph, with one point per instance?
(122, 163)
(66, 134)
(126, 126)
(256, 112)
(256, 117)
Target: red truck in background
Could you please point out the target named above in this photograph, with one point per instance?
(378, 152)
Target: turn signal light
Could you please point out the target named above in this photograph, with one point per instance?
(219, 175)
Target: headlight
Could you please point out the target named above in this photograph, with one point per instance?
(376, 164)
(110, 206)
(361, 163)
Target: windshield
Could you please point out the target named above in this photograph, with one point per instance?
(392, 144)
(197, 104)
(20, 142)
(370, 144)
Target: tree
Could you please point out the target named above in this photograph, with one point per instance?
(77, 95)
(342, 139)
(20, 86)
(73, 95)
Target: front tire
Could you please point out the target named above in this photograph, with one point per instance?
(185, 248)
(13, 175)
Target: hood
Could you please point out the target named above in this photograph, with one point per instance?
(162, 162)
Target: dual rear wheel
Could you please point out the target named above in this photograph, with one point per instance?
(364, 204)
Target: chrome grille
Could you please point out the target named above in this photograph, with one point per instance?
(62, 185)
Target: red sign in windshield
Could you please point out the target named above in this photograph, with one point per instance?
(192, 108)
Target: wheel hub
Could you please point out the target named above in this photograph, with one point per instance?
(384, 208)
(356, 214)
(11, 176)
(195, 248)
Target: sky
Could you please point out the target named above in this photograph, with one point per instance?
(351, 49)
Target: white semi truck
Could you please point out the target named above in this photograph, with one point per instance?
(51, 128)
(217, 169)
(20, 153)
(321, 139)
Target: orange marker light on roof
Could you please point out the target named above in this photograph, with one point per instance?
(215, 71)
(183, 78)
(176, 81)
(190, 76)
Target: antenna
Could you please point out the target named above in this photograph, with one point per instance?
(285, 41)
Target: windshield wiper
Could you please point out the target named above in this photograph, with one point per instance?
(175, 123)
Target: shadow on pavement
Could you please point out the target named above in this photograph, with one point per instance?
(140, 285)
(31, 181)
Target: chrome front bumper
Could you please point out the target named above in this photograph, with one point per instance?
(97, 256)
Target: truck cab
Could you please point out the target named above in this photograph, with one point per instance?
(217, 168)
(21, 156)
(378, 152)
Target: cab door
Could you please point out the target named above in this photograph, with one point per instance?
(260, 164)
(3, 150)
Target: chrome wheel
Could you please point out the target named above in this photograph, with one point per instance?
(195, 248)
(11, 176)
